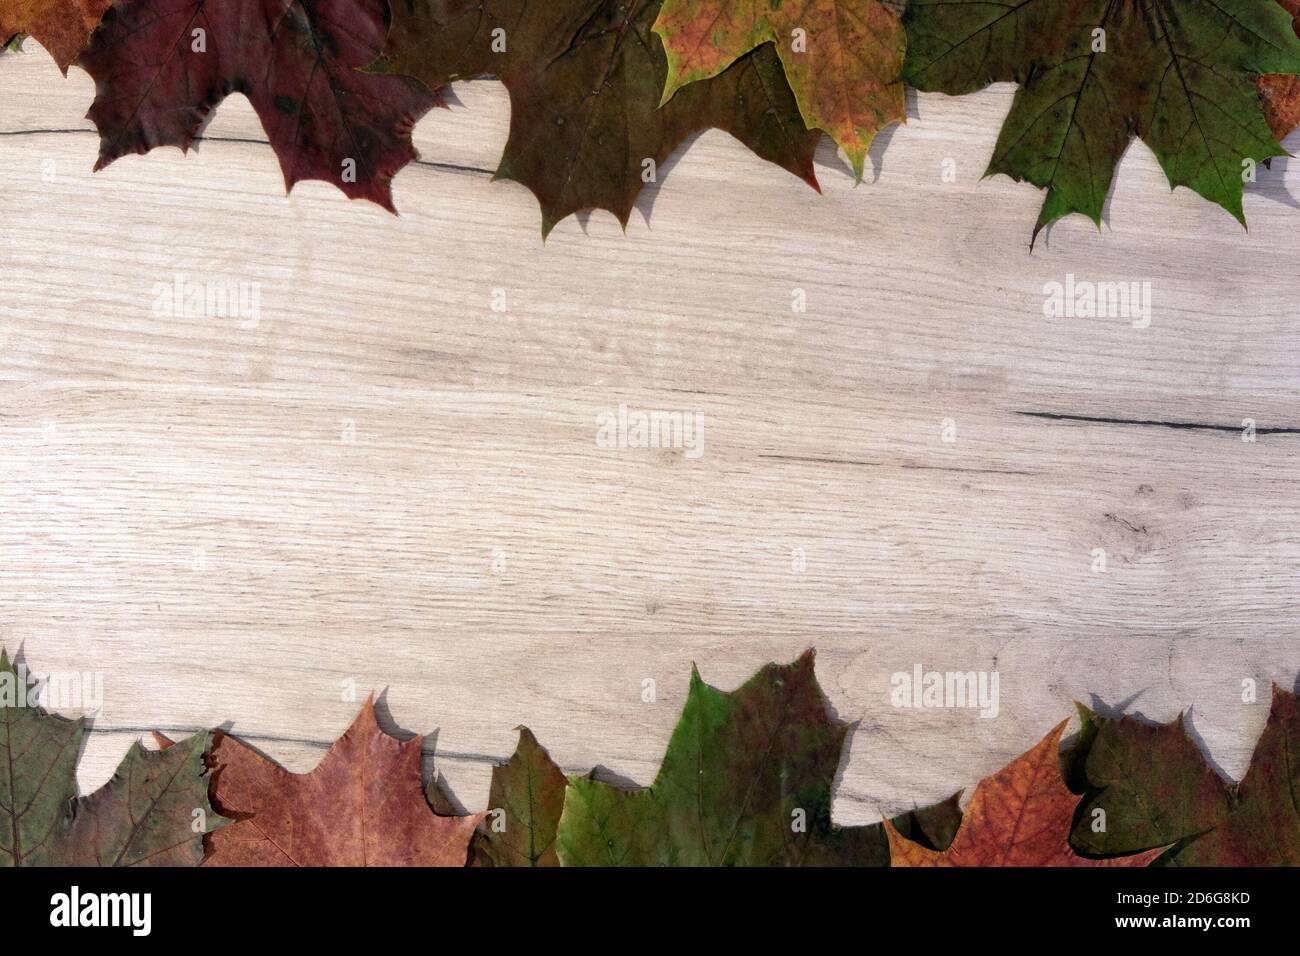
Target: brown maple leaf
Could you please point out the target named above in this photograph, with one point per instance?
(1280, 94)
(363, 805)
(61, 26)
(1020, 816)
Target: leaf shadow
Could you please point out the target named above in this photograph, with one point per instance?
(389, 725)
(842, 763)
(645, 199)
(1114, 711)
(449, 97)
(1189, 725)
(605, 775)
(441, 796)
(1274, 186)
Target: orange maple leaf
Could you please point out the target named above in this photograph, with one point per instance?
(1020, 816)
(61, 26)
(363, 805)
(1281, 94)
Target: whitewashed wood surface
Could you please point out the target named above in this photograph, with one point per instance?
(180, 510)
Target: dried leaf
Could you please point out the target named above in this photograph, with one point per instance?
(584, 78)
(363, 805)
(746, 781)
(160, 66)
(1094, 73)
(842, 58)
(1155, 788)
(1020, 816)
(153, 812)
(525, 802)
(1281, 94)
(61, 26)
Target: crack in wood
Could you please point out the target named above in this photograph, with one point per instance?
(447, 167)
(906, 466)
(1158, 423)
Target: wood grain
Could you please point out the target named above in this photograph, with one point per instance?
(384, 484)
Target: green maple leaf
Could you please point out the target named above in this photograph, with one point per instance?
(524, 805)
(1095, 73)
(843, 58)
(144, 816)
(1156, 789)
(746, 781)
(584, 78)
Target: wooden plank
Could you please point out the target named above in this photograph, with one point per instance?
(380, 482)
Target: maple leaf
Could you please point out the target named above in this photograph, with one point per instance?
(61, 26)
(144, 816)
(1094, 73)
(746, 781)
(1156, 788)
(160, 66)
(363, 805)
(526, 798)
(584, 78)
(1020, 816)
(1281, 94)
(842, 58)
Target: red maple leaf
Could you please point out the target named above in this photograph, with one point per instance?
(160, 66)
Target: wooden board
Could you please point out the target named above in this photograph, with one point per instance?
(382, 483)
